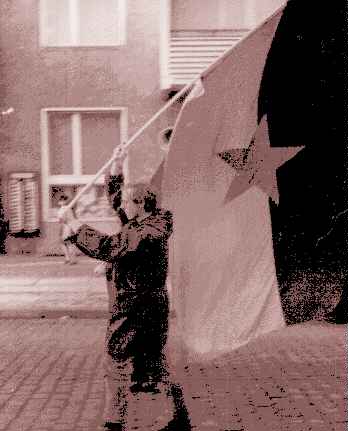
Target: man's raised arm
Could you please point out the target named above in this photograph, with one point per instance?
(114, 181)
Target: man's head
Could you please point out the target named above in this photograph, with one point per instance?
(138, 199)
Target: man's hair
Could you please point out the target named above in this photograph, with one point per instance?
(141, 192)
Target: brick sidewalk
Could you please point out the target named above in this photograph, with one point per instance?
(295, 380)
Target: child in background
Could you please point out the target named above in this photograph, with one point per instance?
(100, 269)
(69, 250)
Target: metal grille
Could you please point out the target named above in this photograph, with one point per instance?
(23, 202)
(192, 51)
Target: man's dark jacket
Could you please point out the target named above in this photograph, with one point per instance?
(136, 274)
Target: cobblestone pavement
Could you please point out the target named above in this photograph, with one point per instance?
(51, 379)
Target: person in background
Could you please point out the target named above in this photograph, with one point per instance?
(69, 250)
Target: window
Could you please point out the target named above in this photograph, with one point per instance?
(76, 143)
(82, 22)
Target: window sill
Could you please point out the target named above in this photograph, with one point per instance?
(85, 220)
(82, 47)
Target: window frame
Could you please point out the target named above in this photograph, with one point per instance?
(76, 178)
(74, 34)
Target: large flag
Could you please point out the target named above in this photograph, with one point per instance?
(219, 176)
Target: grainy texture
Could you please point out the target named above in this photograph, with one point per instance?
(51, 379)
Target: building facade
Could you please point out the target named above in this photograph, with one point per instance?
(83, 76)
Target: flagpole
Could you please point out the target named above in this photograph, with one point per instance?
(177, 96)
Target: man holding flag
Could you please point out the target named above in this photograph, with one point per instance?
(243, 190)
(136, 272)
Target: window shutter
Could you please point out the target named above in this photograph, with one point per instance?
(23, 195)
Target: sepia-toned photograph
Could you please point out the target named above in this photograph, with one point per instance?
(173, 215)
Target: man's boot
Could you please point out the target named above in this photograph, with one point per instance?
(181, 419)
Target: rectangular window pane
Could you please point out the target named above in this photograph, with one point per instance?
(100, 135)
(55, 22)
(207, 14)
(98, 22)
(60, 143)
(80, 22)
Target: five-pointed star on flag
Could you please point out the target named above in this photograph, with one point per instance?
(257, 164)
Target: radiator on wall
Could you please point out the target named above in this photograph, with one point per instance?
(23, 203)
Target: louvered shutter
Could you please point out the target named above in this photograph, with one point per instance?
(23, 201)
